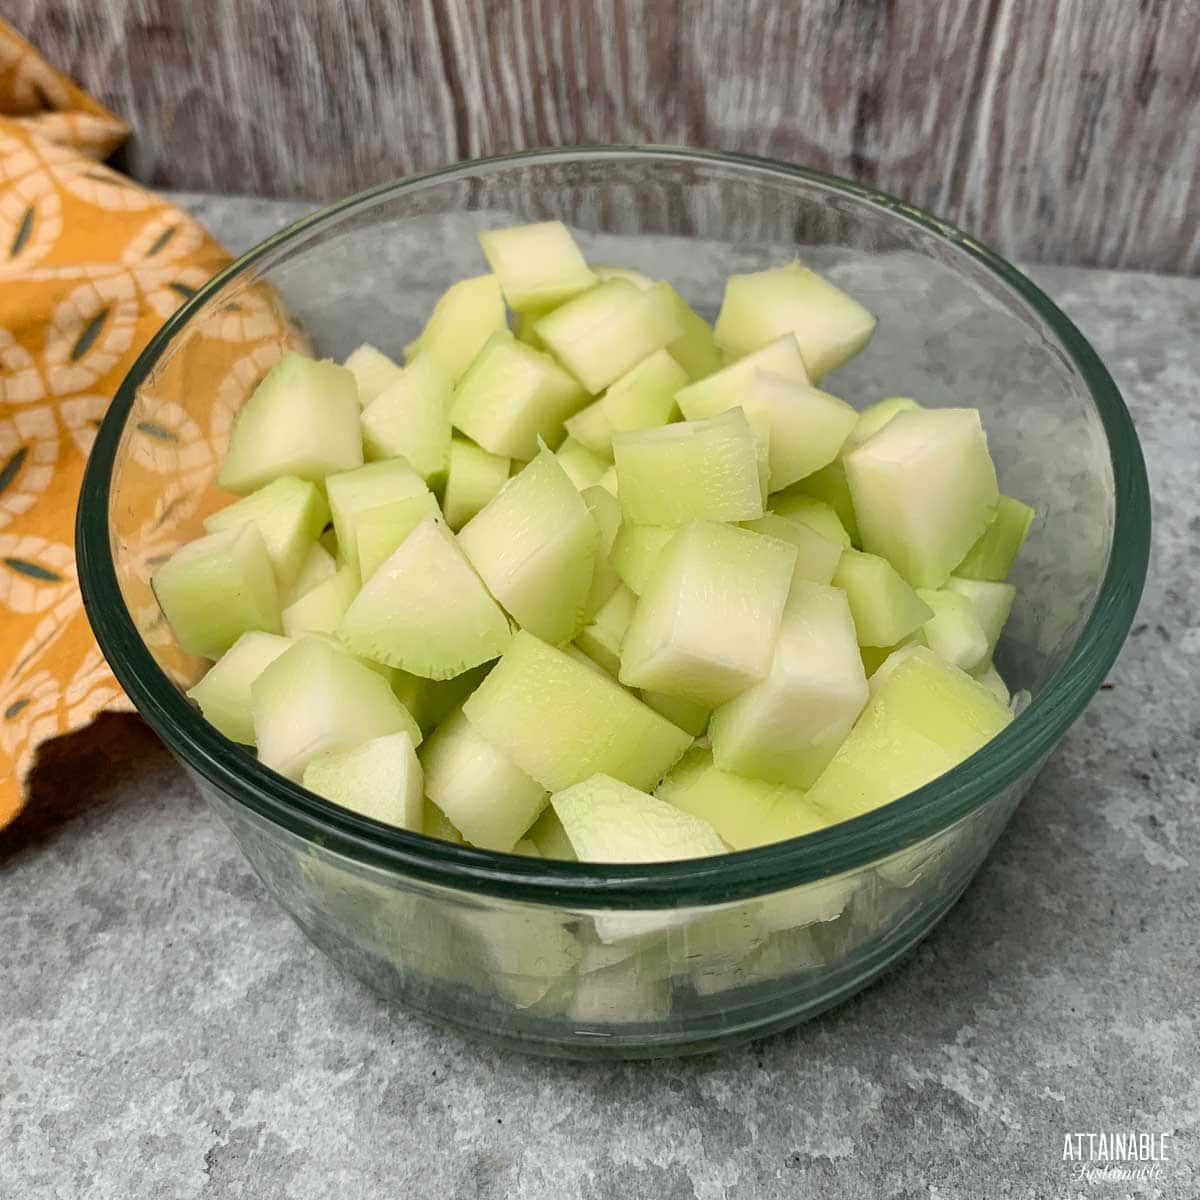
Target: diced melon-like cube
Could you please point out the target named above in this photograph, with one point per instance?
(214, 589)
(953, 633)
(808, 426)
(816, 557)
(372, 370)
(694, 470)
(562, 722)
(605, 271)
(728, 387)
(538, 266)
(409, 419)
(591, 427)
(924, 489)
(705, 626)
(830, 326)
(606, 820)
(318, 566)
(534, 545)
(314, 698)
(829, 486)
(601, 639)
(301, 420)
(875, 416)
(511, 395)
(465, 316)
(380, 530)
(584, 467)
(604, 332)
(687, 714)
(435, 824)
(550, 838)
(642, 398)
(925, 718)
(426, 610)
(745, 812)
(608, 481)
(321, 609)
(805, 426)
(992, 602)
(380, 779)
(695, 349)
(636, 551)
(487, 797)
(223, 694)
(992, 556)
(816, 514)
(352, 493)
(786, 727)
(474, 476)
(884, 607)
(990, 678)
(290, 514)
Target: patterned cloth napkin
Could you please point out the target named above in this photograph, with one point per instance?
(90, 265)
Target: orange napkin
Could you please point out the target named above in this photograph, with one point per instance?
(90, 265)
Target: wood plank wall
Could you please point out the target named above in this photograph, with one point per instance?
(1057, 130)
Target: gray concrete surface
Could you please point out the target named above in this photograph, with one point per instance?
(167, 1032)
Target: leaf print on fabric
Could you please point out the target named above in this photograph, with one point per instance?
(91, 331)
(20, 380)
(166, 237)
(81, 416)
(34, 572)
(29, 450)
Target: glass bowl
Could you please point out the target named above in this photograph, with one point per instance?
(587, 959)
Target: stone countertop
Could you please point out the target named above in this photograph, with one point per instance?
(170, 1033)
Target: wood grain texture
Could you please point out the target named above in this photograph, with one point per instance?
(1060, 130)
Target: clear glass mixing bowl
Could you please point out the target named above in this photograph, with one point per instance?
(588, 959)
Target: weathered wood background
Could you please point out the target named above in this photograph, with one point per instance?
(1059, 130)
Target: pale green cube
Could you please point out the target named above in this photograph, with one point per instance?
(486, 796)
(924, 490)
(830, 326)
(511, 395)
(409, 420)
(474, 476)
(352, 493)
(787, 727)
(693, 470)
(316, 698)
(290, 514)
(321, 608)
(380, 779)
(466, 315)
(373, 371)
(606, 331)
(214, 589)
(992, 556)
(426, 610)
(379, 531)
(223, 694)
(562, 722)
(606, 820)
(538, 266)
(886, 610)
(534, 544)
(302, 420)
(705, 626)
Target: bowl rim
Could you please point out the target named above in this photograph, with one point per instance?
(1018, 751)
